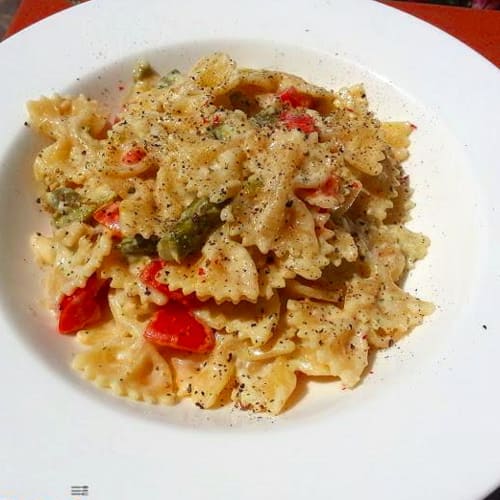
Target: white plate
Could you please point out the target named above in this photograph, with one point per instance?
(425, 424)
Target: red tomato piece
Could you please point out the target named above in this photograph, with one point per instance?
(81, 308)
(109, 216)
(302, 122)
(148, 277)
(173, 326)
(133, 156)
(294, 98)
(331, 187)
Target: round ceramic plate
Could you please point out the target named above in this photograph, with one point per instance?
(424, 421)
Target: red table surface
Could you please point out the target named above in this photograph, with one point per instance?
(480, 29)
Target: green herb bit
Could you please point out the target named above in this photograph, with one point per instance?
(169, 79)
(265, 117)
(142, 71)
(79, 214)
(68, 206)
(138, 245)
(190, 232)
(222, 132)
(63, 199)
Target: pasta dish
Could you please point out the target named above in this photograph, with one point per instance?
(227, 231)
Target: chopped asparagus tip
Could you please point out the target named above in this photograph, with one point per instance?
(68, 206)
(168, 248)
(266, 116)
(63, 199)
(79, 214)
(169, 79)
(138, 245)
(190, 232)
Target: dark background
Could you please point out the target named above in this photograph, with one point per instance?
(7, 9)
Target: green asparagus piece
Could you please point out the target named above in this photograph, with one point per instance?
(79, 214)
(138, 245)
(68, 206)
(63, 199)
(169, 79)
(266, 116)
(142, 71)
(190, 232)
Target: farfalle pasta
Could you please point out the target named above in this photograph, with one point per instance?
(227, 230)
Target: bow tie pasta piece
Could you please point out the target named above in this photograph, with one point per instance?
(75, 124)
(330, 341)
(221, 179)
(298, 243)
(58, 117)
(359, 131)
(397, 135)
(272, 272)
(218, 72)
(387, 312)
(336, 243)
(125, 364)
(394, 249)
(215, 374)
(258, 213)
(119, 357)
(225, 271)
(264, 385)
(138, 213)
(256, 322)
(282, 343)
(76, 253)
(301, 288)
